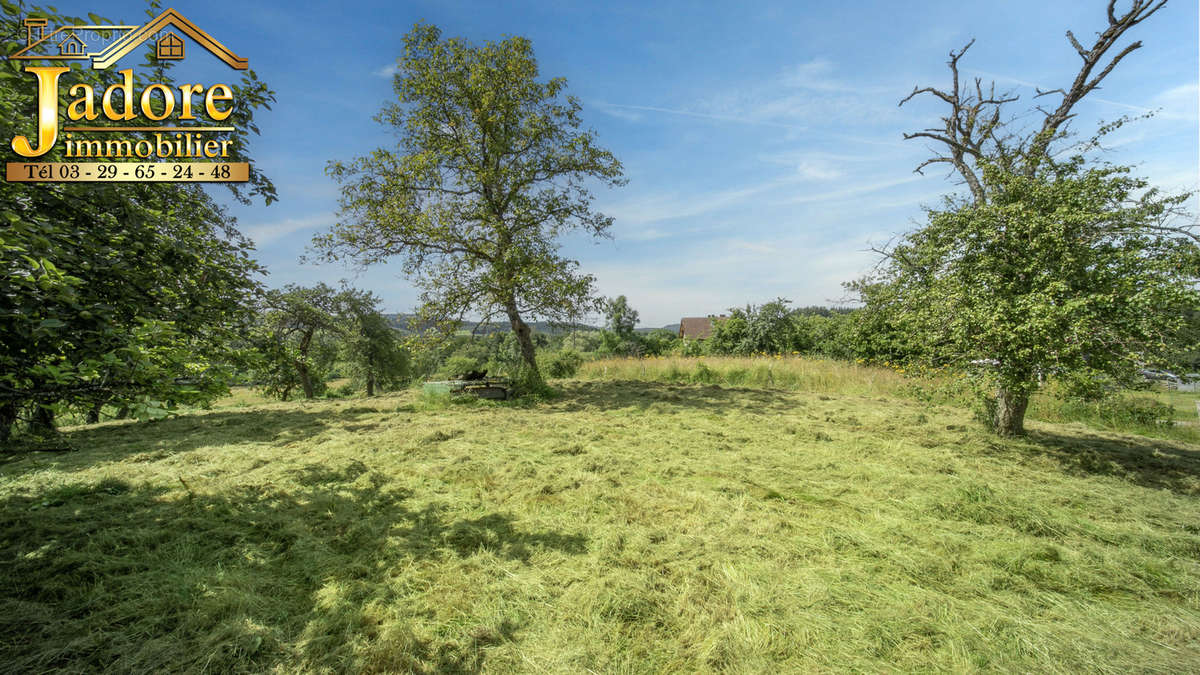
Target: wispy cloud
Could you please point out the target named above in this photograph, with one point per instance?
(618, 110)
(712, 276)
(848, 192)
(811, 94)
(387, 71)
(818, 170)
(1176, 103)
(818, 75)
(671, 206)
(263, 233)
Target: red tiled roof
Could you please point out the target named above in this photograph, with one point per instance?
(695, 327)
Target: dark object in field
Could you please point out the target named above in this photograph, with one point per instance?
(473, 375)
(483, 386)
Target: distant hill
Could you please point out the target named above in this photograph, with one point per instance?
(674, 328)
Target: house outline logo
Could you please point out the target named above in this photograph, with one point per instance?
(167, 46)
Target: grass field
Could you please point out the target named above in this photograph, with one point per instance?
(943, 388)
(620, 527)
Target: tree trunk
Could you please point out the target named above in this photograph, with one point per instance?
(521, 329)
(370, 383)
(1010, 411)
(42, 422)
(305, 380)
(302, 365)
(93, 415)
(8, 417)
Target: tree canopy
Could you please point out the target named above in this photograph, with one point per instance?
(491, 168)
(1050, 267)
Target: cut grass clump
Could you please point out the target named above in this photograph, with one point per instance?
(620, 527)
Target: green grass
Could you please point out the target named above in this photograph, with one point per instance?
(620, 527)
(817, 375)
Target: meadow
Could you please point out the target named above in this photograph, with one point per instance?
(833, 518)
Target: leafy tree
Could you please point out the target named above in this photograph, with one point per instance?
(133, 294)
(729, 334)
(1048, 266)
(877, 332)
(1065, 272)
(620, 320)
(298, 338)
(370, 347)
(620, 317)
(766, 328)
(490, 169)
(660, 341)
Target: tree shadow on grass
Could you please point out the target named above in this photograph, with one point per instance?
(1149, 462)
(641, 395)
(186, 433)
(314, 576)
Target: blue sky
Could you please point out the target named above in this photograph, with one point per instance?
(762, 141)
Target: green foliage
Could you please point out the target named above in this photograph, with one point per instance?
(458, 365)
(1069, 270)
(763, 329)
(130, 294)
(562, 364)
(370, 346)
(620, 318)
(659, 342)
(302, 330)
(490, 171)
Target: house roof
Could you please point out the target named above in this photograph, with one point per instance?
(695, 327)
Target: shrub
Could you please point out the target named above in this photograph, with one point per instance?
(457, 365)
(563, 363)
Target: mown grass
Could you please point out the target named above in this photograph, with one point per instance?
(620, 527)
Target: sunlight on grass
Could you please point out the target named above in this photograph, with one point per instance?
(817, 375)
(623, 526)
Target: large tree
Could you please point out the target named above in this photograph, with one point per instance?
(299, 330)
(122, 293)
(491, 168)
(1050, 266)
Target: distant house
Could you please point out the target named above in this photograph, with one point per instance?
(697, 327)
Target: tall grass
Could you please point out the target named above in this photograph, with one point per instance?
(793, 374)
(1161, 414)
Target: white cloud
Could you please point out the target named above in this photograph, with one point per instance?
(816, 169)
(667, 207)
(627, 113)
(849, 192)
(712, 276)
(618, 110)
(1176, 103)
(817, 75)
(263, 233)
(1179, 103)
(387, 71)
